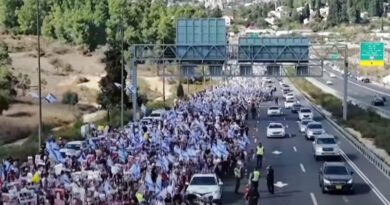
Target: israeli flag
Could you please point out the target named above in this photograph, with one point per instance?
(34, 95)
(122, 155)
(132, 89)
(50, 98)
(91, 143)
(54, 151)
(7, 166)
(165, 147)
(107, 187)
(135, 171)
(109, 162)
(143, 109)
(149, 182)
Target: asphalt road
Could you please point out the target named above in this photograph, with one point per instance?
(296, 167)
(363, 92)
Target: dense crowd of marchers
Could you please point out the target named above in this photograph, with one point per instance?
(147, 162)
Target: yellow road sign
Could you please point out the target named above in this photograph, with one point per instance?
(372, 62)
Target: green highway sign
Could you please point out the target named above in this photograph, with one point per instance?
(334, 56)
(371, 54)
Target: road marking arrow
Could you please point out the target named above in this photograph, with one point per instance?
(277, 152)
(280, 184)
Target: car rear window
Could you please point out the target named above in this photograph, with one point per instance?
(275, 126)
(315, 126)
(290, 101)
(326, 141)
(305, 110)
(305, 122)
(335, 170)
(203, 181)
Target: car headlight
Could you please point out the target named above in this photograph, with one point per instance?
(318, 149)
(326, 181)
(350, 181)
(309, 132)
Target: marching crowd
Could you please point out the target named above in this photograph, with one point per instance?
(143, 163)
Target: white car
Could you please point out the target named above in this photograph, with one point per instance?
(314, 129)
(329, 82)
(325, 145)
(332, 75)
(73, 148)
(305, 113)
(157, 114)
(289, 103)
(274, 111)
(303, 123)
(288, 95)
(205, 187)
(276, 130)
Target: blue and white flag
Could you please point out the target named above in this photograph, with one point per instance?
(54, 151)
(135, 171)
(82, 158)
(6, 166)
(107, 187)
(50, 98)
(65, 179)
(149, 182)
(109, 162)
(122, 155)
(132, 89)
(91, 143)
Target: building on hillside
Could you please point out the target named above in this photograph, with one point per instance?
(228, 19)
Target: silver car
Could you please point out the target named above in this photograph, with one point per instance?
(302, 124)
(326, 146)
(314, 129)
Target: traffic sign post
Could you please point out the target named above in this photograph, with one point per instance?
(372, 54)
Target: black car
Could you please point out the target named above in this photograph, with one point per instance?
(335, 176)
(378, 101)
(296, 107)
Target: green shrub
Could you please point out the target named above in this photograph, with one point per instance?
(70, 98)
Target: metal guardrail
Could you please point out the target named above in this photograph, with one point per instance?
(372, 157)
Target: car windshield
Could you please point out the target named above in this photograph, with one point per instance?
(290, 101)
(305, 122)
(73, 146)
(155, 115)
(305, 110)
(335, 170)
(275, 126)
(297, 105)
(274, 108)
(326, 141)
(315, 126)
(203, 181)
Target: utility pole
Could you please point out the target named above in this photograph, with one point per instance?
(345, 99)
(39, 79)
(122, 69)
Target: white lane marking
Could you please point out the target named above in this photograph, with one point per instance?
(303, 168)
(381, 197)
(345, 199)
(295, 149)
(313, 198)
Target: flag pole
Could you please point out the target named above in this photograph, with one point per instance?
(39, 79)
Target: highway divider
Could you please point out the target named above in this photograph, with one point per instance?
(378, 161)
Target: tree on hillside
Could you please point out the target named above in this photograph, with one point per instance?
(180, 91)
(27, 15)
(4, 101)
(344, 13)
(8, 15)
(290, 4)
(306, 11)
(334, 14)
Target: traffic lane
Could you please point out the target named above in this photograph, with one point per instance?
(295, 165)
(384, 90)
(381, 182)
(354, 91)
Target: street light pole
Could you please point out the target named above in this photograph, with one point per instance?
(122, 69)
(345, 99)
(39, 79)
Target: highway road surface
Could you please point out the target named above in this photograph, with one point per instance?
(363, 92)
(297, 171)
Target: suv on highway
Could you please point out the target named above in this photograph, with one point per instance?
(325, 145)
(274, 111)
(305, 113)
(335, 176)
(296, 107)
(303, 124)
(204, 188)
(314, 129)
